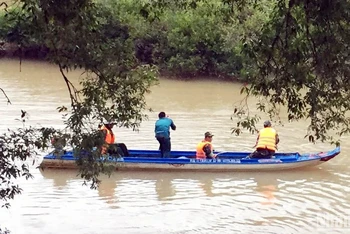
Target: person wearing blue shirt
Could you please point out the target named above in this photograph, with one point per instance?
(162, 134)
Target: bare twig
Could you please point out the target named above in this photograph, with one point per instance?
(70, 86)
(308, 32)
(8, 99)
(5, 4)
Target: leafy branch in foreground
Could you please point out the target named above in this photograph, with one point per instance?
(17, 147)
(85, 35)
(5, 231)
(78, 35)
(300, 60)
(242, 112)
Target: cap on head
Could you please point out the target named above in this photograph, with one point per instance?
(161, 114)
(208, 134)
(108, 122)
(111, 124)
(267, 123)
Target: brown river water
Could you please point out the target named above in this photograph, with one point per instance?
(313, 200)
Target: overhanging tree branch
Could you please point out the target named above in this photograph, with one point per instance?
(7, 98)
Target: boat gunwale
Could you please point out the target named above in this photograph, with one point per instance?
(192, 161)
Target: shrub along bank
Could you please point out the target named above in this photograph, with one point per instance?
(204, 38)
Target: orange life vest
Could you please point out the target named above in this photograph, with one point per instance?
(200, 154)
(109, 139)
(109, 136)
(267, 139)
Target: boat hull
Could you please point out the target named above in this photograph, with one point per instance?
(62, 164)
(229, 163)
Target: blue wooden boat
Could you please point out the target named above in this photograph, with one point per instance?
(185, 160)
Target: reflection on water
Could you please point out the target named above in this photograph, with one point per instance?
(207, 186)
(267, 187)
(165, 183)
(106, 191)
(249, 202)
(164, 188)
(176, 202)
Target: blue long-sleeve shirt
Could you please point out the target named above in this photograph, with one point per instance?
(162, 127)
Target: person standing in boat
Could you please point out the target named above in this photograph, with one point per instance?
(162, 133)
(266, 143)
(205, 148)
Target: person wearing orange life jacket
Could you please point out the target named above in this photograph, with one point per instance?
(106, 128)
(266, 143)
(205, 148)
(112, 148)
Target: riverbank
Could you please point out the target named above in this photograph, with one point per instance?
(40, 53)
(183, 41)
(12, 50)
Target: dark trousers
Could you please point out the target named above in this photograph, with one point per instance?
(118, 149)
(164, 146)
(262, 153)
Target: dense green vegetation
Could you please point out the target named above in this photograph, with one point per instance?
(293, 53)
(202, 38)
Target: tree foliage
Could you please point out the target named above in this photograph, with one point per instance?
(79, 35)
(301, 60)
(184, 38)
(293, 53)
(16, 148)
